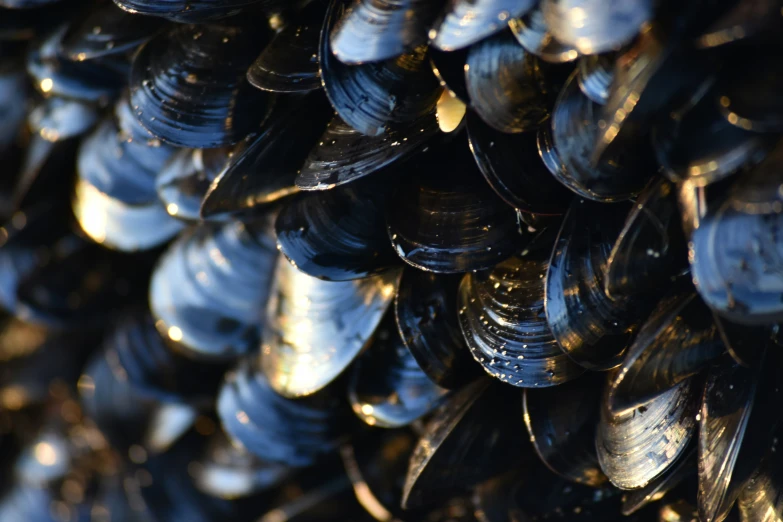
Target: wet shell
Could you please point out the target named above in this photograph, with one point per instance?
(636, 446)
(388, 388)
(596, 73)
(533, 34)
(372, 97)
(182, 183)
(426, 313)
(503, 321)
(375, 30)
(465, 22)
(188, 85)
(277, 429)
(752, 103)
(506, 84)
(314, 329)
(209, 289)
(684, 468)
(187, 10)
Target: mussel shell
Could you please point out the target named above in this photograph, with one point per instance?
(426, 313)
(277, 429)
(507, 85)
(749, 97)
(734, 251)
(13, 102)
(533, 34)
(513, 168)
(575, 124)
(106, 31)
(185, 179)
(289, 63)
(677, 341)
(187, 11)
(745, 343)
(636, 446)
(760, 497)
(449, 68)
(188, 85)
(372, 97)
(651, 77)
(314, 329)
(57, 119)
(53, 74)
(229, 471)
(737, 426)
(635, 500)
(465, 22)
(701, 147)
(209, 289)
(115, 200)
(650, 249)
(344, 154)
(469, 439)
(590, 327)
(596, 26)
(454, 223)
(264, 165)
(561, 422)
(375, 30)
(388, 388)
(501, 314)
(338, 235)
(596, 73)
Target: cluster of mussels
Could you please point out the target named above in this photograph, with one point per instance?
(420, 260)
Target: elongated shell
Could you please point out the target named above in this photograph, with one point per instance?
(314, 329)
(561, 422)
(277, 429)
(734, 250)
(372, 97)
(186, 10)
(465, 22)
(677, 341)
(636, 446)
(685, 467)
(507, 85)
(290, 62)
(388, 388)
(188, 85)
(209, 289)
(502, 319)
(375, 30)
(262, 168)
(470, 438)
(593, 329)
(760, 497)
(426, 311)
(338, 235)
(737, 426)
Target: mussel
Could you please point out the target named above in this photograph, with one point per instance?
(186, 178)
(465, 22)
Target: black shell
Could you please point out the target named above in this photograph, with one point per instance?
(596, 73)
(290, 431)
(339, 234)
(188, 85)
(677, 341)
(749, 97)
(426, 312)
(290, 62)
(589, 326)
(507, 85)
(449, 68)
(372, 97)
(465, 22)
(575, 125)
(388, 388)
(344, 154)
(513, 168)
(533, 34)
(502, 317)
(453, 223)
(187, 10)
(561, 422)
(262, 168)
(375, 30)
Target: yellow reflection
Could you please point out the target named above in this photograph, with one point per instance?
(450, 111)
(45, 454)
(90, 208)
(172, 209)
(175, 333)
(47, 84)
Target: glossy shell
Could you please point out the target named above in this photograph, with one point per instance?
(185, 179)
(465, 22)
(314, 329)
(533, 34)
